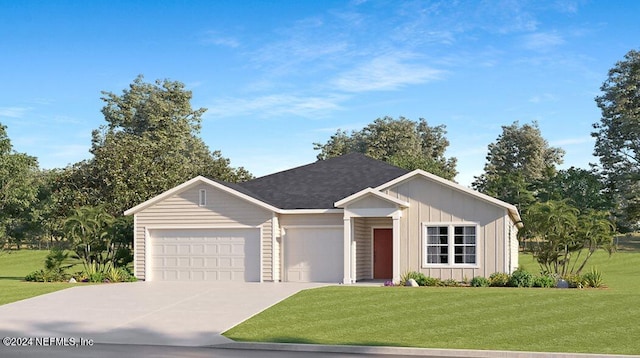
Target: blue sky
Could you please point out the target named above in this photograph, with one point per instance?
(277, 76)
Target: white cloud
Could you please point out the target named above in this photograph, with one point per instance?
(545, 97)
(214, 38)
(385, 73)
(276, 105)
(13, 112)
(542, 41)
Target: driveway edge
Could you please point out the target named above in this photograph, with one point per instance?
(406, 351)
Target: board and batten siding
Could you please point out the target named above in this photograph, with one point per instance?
(222, 209)
(432, 202)
(362, 237)
(310, 219)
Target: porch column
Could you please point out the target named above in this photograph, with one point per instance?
(347, 250)
(396, 248)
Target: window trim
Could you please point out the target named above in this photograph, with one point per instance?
(202, 197)
(450, 243)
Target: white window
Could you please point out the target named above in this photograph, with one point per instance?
(203, 198)
(437, 245)
(450, 244)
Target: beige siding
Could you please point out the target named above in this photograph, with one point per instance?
(515, 247)
(310, 219)
(431, 202)
(371, 201)
(363, 234)
(277, 244)
(267, 251)
(223, 209)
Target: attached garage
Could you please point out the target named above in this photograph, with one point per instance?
(205, 255)
(313, 254)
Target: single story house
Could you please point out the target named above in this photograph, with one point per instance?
(340, 220)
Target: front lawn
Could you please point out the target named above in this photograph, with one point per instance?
(14, 265)
(531, 319)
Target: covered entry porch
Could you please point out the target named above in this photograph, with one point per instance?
(371, 236)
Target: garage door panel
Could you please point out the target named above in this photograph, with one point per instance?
(205, 255)
(313, 254)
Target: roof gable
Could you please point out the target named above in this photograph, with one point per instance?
(513, 211)
(226, 187)
(369, 192)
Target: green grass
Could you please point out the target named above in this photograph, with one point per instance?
(533, 319)
(14, 265)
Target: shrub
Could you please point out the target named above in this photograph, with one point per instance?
(56, 275)
(118, 274)
(545, 281)
(450, 283)
(521, 278)
(410, 275)
(96, 277)
(480, 281)
(432, 281)
(35, 276)
(419, 277)
(54, 268)
(498, 279)
(114, 274)
(389, 283)
(593, 278)
(81, 276)
(57, 260)
(575, 281)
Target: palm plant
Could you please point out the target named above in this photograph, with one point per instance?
(558, 234)
(88, 230)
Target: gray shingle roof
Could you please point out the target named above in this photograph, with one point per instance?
(320, 184)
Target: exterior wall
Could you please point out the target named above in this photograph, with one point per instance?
(277, 248)
(223, 209)
(310, 219)
(363, 236)
(515, 246)
(371, 201)
(431, 202)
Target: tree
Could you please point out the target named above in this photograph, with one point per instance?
(148, 145)
(582, 188)
(618, 137)
(559, 233)
(17, 191)
(518, 160)
(401, 142)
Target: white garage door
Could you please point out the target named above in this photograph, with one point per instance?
(313, 254)
(205, 255)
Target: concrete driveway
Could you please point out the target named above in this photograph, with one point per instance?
(157, 313)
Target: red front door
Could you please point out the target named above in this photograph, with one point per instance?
(382, 253)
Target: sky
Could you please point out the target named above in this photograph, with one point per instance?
(277, 76)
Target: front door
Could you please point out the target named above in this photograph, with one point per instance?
(382, 253)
